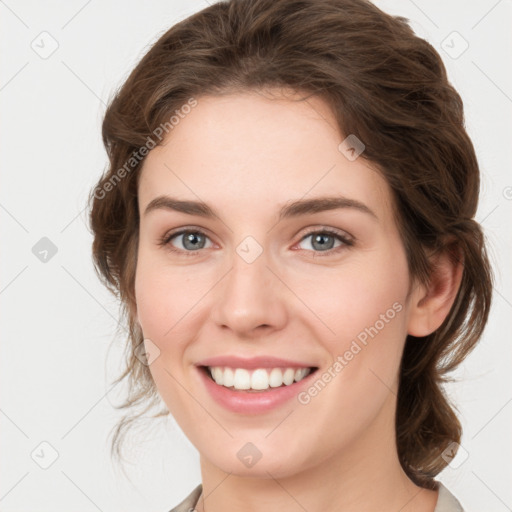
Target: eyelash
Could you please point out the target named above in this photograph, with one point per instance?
(346, 242)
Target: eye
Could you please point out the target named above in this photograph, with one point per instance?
(191, 241)
(324, 241)
(188, 241)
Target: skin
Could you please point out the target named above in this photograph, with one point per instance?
(246, 155)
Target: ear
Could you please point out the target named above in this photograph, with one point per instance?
(431, 303)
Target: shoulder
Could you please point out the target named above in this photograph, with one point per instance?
(447, 502)
(189, 503)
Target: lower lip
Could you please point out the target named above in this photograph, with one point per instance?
(250, 402)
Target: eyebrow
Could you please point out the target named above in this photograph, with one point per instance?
(293, 209)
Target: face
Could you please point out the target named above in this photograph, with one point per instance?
(267, 282)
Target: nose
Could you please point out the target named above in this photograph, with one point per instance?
(250, 299)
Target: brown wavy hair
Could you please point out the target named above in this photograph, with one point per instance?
(383, 84)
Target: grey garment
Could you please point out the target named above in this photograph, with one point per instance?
(446, 501)
(189, 503)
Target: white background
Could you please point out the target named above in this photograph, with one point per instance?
(60, 352)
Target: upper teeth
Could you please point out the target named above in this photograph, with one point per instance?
(261, 378)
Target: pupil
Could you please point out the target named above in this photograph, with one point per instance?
(323, 246)
(192, 238)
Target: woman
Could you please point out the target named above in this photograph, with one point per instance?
(288, 219)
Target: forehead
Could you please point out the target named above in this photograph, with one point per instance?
(249, 149)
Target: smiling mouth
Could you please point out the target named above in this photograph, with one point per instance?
(257, 380)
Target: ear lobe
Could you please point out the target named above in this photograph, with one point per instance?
(431, 303)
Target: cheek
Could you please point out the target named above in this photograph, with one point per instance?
(366, 293)
(165, 314)
(169, 301)
(364, 307)
(159, 311)
(165, 298)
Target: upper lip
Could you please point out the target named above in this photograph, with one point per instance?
(252, 363)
